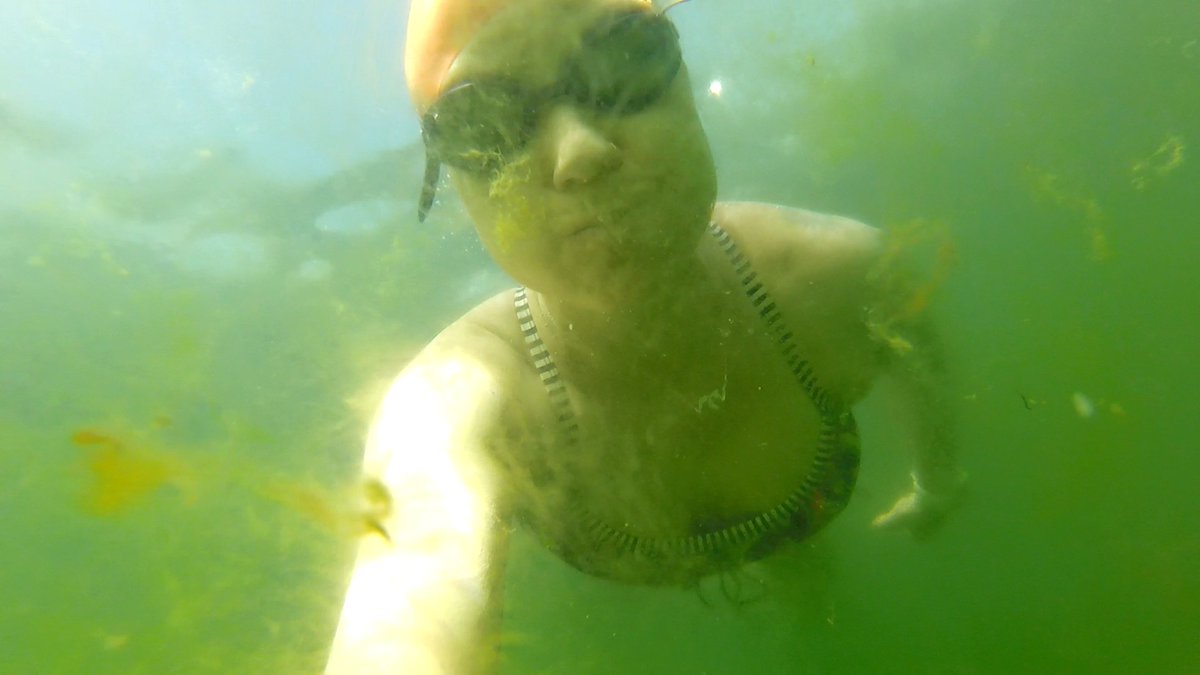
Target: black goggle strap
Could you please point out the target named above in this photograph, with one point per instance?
(433, 171)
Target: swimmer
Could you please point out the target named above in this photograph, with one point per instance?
(667, 395)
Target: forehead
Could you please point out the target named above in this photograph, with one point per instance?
(530, 39)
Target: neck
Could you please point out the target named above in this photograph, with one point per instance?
(658, 319)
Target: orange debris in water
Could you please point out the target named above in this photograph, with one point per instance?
(120, 477)
(332, 513)
(906, 294)
(307, 501)
(124, 472)
(918, 301)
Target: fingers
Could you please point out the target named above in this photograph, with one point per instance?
(911, 513)
(901, 515)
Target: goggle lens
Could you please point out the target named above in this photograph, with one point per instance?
(626, 65)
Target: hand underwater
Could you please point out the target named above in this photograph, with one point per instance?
(922, 512)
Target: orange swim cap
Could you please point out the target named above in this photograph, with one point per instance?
(437, 31)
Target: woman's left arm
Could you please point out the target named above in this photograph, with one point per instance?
(907, 340)
(938, 484)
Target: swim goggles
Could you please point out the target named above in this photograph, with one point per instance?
(623, 65)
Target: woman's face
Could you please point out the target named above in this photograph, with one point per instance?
(611, 177)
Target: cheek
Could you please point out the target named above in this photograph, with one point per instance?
(674, 163)
(505, 209)
(509, 219)
(670, 134)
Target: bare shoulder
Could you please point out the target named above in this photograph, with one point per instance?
(818, 268)
(810, 246)
(457, 389)
(487, 333)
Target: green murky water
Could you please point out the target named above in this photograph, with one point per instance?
(210, 261)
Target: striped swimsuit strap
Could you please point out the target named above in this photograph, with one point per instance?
(834, 421)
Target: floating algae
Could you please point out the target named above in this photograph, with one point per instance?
(1166, 159)
(126, 468)
(1050, 187)
(122, 476)
(906, 295)
(516, 213)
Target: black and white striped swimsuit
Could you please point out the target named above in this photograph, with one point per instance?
(606, 550)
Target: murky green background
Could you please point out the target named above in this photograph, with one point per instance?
(208, 251)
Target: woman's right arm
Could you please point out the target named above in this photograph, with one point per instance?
(424, 593)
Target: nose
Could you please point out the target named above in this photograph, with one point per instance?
(582, 153)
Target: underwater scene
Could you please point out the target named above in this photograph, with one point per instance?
(211, 267)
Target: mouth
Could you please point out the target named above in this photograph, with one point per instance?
(597, 221)
(579, 224)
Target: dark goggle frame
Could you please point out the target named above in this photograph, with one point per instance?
(623, 66)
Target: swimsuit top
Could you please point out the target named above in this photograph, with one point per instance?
(606, 550)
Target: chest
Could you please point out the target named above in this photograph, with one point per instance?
(676, 451)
